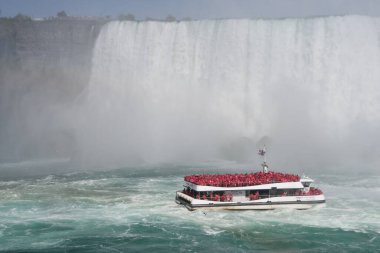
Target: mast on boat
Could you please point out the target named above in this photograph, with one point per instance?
(262, 152)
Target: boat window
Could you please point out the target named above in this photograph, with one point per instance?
(263, 192)
(273, 191)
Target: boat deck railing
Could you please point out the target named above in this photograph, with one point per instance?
(262, 196)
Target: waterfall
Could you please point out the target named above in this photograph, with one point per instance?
(211, 89)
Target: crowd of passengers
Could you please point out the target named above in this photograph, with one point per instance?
(312, 191)
(236, 180)
(226, 197)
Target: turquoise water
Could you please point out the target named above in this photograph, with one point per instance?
(133, 210)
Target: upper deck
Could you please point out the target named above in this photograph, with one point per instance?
(236, 180)
(258, 180)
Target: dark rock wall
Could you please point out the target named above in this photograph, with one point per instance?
(44, 65)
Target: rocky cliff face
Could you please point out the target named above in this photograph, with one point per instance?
(44, 65)
(60, 48)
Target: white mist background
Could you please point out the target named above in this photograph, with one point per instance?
(208, 90)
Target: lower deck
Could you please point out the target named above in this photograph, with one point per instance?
(264, 203)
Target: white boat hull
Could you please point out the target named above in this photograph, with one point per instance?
(295, 202)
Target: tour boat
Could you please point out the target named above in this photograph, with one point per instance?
(264, 190)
